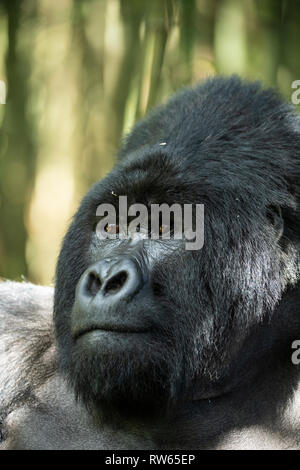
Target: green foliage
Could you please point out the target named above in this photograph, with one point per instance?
(80, 73)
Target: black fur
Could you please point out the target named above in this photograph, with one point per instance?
(234, 147)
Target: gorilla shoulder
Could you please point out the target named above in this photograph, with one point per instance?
(26, 331)
(27, 354)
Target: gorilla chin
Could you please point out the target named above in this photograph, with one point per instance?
(125, 374)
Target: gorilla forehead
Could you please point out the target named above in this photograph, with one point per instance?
(224, 134)
(219, 175)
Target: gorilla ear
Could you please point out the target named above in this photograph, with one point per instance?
(274, 216)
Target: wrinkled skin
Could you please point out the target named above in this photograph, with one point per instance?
(200, 356)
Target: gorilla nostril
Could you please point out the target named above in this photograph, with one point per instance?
(93, 284)
(116, 283)
(109, 281)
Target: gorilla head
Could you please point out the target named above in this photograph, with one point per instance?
(144, 325)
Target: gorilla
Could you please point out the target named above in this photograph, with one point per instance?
(153, 346)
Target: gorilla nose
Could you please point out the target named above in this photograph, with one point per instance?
(103, 295)
(112, 279)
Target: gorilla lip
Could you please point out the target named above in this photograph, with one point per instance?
(109, 329)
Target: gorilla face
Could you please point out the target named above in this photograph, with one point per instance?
(144, 325)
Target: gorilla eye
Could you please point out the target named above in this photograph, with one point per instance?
(111, 228)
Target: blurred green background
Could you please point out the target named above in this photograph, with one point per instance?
(78, 73)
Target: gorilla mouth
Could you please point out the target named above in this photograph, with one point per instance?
(117, 329)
